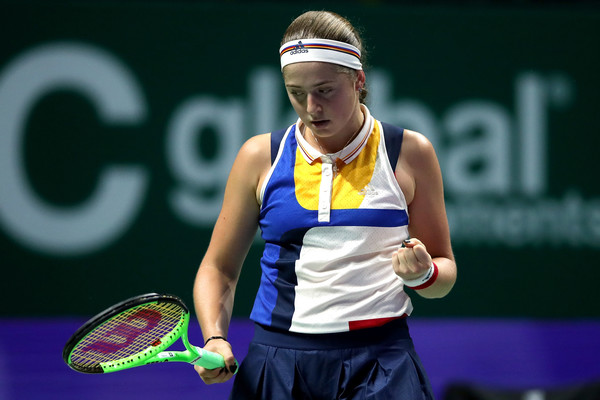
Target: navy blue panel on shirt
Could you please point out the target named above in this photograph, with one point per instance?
(286, 278)
(276, 137)
(393, 142)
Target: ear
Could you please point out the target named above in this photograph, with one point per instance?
(360, 80)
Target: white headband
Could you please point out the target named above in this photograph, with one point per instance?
(323, 50)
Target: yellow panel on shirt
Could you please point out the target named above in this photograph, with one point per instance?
(349, 183)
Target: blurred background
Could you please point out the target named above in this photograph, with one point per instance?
(119, 122)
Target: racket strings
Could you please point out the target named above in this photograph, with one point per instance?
(128, 333)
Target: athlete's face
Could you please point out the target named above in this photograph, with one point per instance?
(325, 99)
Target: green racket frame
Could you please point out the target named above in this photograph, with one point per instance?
(155, 352)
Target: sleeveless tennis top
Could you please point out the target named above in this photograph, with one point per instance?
(331, 224)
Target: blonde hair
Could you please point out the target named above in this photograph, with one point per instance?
(326, 25)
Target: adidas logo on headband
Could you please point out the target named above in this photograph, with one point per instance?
(299, 48)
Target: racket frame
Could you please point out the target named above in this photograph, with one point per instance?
(154, 353)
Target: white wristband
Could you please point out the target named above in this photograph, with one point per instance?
(413, 283)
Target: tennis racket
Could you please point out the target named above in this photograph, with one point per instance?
(136, 332)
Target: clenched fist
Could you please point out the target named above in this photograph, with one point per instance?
(412, 260)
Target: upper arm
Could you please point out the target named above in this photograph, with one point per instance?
(421, 180)
(236, 225)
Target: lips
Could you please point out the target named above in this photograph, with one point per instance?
(320, 124)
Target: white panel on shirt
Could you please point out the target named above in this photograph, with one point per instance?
(363, 286)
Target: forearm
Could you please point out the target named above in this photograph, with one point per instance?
(214, 294)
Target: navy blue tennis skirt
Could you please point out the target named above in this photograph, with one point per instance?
(374, 363)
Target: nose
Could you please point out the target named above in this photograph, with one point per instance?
(313, 106)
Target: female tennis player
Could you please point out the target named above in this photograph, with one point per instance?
(352, 213)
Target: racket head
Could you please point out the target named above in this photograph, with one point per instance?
(127, 334)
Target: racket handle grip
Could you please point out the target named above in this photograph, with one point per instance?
(210, 360)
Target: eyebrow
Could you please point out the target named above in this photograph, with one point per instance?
(315, 85)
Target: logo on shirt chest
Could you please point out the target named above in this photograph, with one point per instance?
(368, 191)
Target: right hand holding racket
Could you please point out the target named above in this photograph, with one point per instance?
(219, 375)
(137, 332)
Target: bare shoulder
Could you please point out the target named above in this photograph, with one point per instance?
(254, 156)
(257, 148)
(416, 147)
(417, 154)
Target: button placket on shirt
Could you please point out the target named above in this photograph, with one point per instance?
(324, 213)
